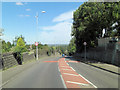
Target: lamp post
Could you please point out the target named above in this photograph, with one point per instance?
(85, 49)
(37, 30)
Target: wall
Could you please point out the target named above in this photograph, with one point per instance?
(108, 54)
(28, 57)
(8, 60)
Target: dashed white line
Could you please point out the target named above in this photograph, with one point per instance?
(77, 83)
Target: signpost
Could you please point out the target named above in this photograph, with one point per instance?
(85, 49)
(36, 44)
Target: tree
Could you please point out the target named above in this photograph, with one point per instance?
(71, 47)
(20, 46)
(6, 46)
(90, 19)
(16, 39)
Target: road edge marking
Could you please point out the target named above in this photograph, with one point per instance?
(88, 81)
(85, 78)
(61, 77)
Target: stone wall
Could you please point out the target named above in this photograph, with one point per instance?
(8, 60)
(28, 57)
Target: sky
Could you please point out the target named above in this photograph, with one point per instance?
(54, 26)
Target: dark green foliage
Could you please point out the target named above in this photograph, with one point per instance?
(6, 46)
(62, 49)
(91, 18)
(72, 47)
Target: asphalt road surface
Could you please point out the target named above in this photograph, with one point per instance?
(46, 74)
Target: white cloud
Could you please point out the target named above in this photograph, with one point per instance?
(28, 9)
(59, 33)
(64, 16)
(19, 3)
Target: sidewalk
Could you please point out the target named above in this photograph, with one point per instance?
(104, 66)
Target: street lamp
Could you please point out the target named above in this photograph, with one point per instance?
(85, 49)
(37, 30)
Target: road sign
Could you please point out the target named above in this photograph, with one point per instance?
(36, 43)
(85, 43)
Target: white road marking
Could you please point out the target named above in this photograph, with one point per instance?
(62, 78)
(63, 81)
(85, 78)
(73, 61)
(71, 74)
(88, 81)
(64, 66)
(77, 83)
(73, 69)
(67, 69)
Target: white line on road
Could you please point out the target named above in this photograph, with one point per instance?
(73, 69)
(71, 74)
(63, 81)
(77, 83)
(67, 69)
(85, 78)
(62, 78)
(88, 81)
(64, 66)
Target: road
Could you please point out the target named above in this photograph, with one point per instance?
(49, 74)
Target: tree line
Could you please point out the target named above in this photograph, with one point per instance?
(89, 20)
(19, 46)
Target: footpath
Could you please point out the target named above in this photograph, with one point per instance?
(104, 66)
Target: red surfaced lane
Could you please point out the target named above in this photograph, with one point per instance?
(71, 78)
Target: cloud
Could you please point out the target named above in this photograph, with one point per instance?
(28, 9)
(64, 16)
(19, 3)
(60, 33)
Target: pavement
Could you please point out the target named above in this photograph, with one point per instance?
(104, 66)
(57, 72)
